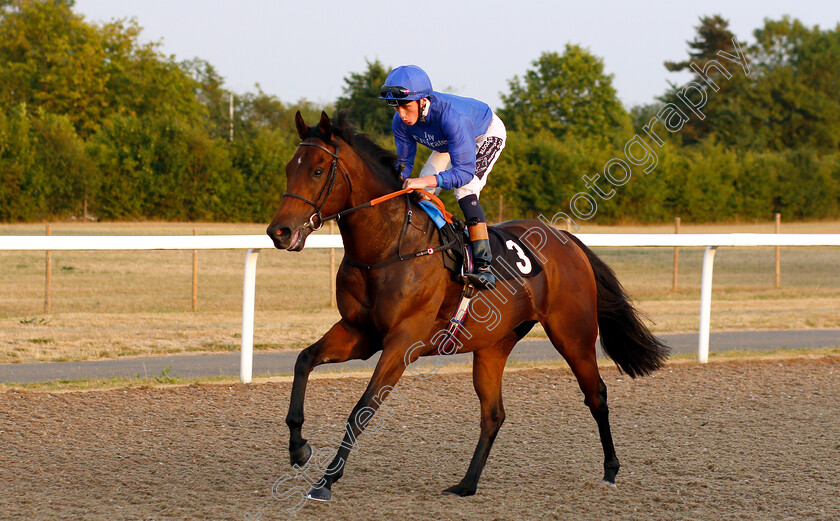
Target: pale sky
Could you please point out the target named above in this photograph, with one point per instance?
(305, 49)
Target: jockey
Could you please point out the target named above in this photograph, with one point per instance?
(466, 139)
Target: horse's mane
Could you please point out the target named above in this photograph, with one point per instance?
(380, 159)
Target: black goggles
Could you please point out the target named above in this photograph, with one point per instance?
(389, 92)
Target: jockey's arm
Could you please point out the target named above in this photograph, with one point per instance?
(459, 132)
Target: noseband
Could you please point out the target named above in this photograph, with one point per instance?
(326, 190)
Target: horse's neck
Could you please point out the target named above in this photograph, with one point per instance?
(371, 235)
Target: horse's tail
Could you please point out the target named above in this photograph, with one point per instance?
(624, 336)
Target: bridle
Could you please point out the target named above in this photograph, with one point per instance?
(326, 190)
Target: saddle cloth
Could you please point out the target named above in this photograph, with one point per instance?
(511, 257)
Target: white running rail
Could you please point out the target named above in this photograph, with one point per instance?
(254, 243)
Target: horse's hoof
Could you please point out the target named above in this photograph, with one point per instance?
(459, 490)
(319, 494)
(300, 456)
(609, 475)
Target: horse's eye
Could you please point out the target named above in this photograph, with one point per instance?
(318, 172)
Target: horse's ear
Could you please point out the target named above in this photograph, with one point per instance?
(301, 125)
(325, 126)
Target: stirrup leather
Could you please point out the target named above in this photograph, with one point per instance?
(449, 344)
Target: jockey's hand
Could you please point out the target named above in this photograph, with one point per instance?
(418, 183)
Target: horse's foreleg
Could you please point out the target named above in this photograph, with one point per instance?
(388, 371)
(488, 366)
(341, 343)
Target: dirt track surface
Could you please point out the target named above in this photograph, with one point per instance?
(735, 440)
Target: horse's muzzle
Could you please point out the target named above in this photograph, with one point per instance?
(285, 239)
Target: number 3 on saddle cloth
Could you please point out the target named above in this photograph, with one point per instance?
(511, 259)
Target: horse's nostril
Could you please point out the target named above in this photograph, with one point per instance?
(278, 234)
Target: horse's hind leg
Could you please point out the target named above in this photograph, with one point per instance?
(601, 415)
(341, 343)
(488, 366)
(579, 351)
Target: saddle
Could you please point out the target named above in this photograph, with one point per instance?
(511, 257)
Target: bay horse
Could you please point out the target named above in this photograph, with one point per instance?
(397, 307)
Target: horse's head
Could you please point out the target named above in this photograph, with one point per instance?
(314, 188)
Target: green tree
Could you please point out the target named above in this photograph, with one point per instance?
(143, 81)
(256, 111)
(19, 198)
(362, 103)
(788, 100)
(161, 168)
(212, 96)
(809, 188)
(565, 94)
(262, 158)
(758, 182)
(713, 35)
(721, 107)
(89, 113)
(50, 57)
(68, 176)
(267, 141)
(793, 101)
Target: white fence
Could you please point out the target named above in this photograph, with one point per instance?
(254, 243)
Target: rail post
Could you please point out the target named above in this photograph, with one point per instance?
(676, 255)
(47, 275)
(332, 269)
(195, 277)
(778, 253)
(246, 359)
(706, 305)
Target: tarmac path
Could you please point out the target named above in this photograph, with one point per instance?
(282, 362)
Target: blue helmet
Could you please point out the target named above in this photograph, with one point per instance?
(406, 82)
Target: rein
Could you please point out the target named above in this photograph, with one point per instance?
(373, 202)
(400, 257)
(326, 190)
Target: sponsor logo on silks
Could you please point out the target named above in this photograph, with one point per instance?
(430, 140)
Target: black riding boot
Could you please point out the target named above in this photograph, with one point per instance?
(482, 277)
